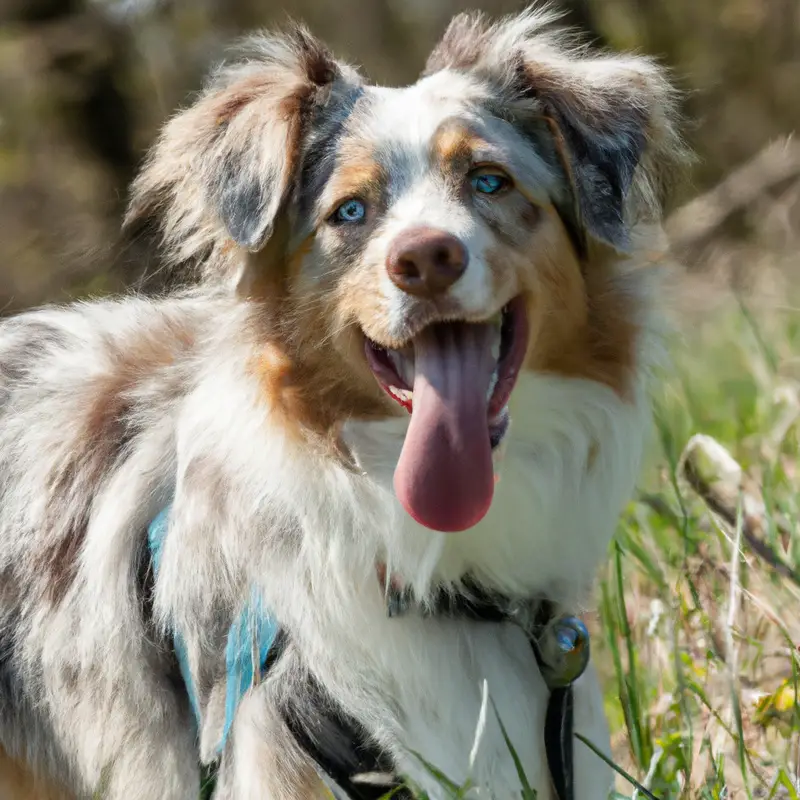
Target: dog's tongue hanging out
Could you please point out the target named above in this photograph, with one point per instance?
(445, 475)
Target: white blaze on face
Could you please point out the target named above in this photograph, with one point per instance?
(427, 202)
(408, 120)
(444, 477)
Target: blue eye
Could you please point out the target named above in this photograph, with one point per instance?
(350, 211)
(489, 183)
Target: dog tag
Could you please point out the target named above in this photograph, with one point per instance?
(563, 651)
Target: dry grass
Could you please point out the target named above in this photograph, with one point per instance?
(697, 635)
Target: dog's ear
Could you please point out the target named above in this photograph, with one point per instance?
(224, 168)
(609, 119)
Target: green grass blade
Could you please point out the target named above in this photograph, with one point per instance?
(639, 737)
(438, 775)
(528, 792)
(618, 769)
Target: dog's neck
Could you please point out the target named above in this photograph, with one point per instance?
(466, 598)
(565, 470)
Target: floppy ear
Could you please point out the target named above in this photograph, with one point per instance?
(225, 168)
(608, 121)
(600, 129)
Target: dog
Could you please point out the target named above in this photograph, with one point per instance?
(403, 368)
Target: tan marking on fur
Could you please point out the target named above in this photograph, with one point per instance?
(582, 316)
(19, 783)
(359, 176)
(454, 145)
(453, 153)
(230, 103)
(315, 389)
(100, 435)
(273, 368)
(593, 331)
(297, 258)
(311, 373)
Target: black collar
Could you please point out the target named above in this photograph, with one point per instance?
(356, 768)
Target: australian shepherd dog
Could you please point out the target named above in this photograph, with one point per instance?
(403, 364)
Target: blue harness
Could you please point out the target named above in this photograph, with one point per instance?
(561, 650)
(250, 639)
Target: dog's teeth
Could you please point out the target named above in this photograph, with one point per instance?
(401, 394)
(492, 384)
(497, 339)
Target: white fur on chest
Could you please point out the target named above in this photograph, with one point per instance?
(569, 464)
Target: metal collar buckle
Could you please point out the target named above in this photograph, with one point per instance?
(560, 644)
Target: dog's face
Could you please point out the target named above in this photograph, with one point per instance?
(419, 247)
(422, 236)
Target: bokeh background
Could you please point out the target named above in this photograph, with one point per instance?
(84, 86)
(697, 627)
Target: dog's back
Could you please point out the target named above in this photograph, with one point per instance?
(88, 398)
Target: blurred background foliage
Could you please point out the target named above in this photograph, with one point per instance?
(85, 85)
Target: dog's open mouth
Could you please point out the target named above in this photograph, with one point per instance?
(455, 378)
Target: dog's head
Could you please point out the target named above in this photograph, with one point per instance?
(415, 249)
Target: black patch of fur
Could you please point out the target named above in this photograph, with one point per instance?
(317, 61)
(241, 202)
(245, 202)
(39, 340)
(603, 164)
(336, 742)
(328, 124)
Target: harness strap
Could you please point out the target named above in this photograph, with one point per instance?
(558, 726)
(352, 766)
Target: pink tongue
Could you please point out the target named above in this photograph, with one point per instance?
(445, 476)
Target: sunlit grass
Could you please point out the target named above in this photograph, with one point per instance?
(701, 682)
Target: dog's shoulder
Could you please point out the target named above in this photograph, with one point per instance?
(82, 386)
(51, 354)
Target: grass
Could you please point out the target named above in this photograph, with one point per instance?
(696, 634)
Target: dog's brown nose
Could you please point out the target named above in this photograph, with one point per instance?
(426, 262)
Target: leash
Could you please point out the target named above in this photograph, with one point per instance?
(347, 761)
